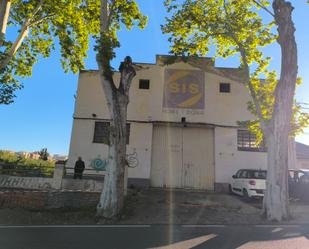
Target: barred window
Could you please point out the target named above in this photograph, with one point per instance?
(102, 131)
(247, 141)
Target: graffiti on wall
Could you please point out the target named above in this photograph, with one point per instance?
(26, 182)
(132, 160)
(100, 164)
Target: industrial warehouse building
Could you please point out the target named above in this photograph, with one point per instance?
(183, 121)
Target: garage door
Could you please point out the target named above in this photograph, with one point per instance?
(182, 157)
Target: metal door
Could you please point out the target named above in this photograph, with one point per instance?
(166, 159)
(198, 158)
(182, 157)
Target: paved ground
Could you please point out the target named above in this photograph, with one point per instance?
(161, 207)
(155, 236)
(186, 207)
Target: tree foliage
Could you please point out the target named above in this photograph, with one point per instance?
(37, 27)
(235, 27)
(119, 14)
(232, 27)
(14, 164)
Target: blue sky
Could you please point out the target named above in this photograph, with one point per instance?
(42, 113)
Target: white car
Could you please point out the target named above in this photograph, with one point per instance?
(249, 183)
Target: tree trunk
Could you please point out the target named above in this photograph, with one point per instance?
(112, 196)
(111, 200)
(292, 160)
(5, 6)
(276, 201)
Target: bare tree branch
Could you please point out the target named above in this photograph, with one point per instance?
(248, 81)
(258, 3)
(104, 63)
(246, 70)
(44, 18)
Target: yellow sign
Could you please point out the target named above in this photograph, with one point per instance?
(184, 89)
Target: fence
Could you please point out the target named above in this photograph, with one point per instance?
(59, 180)
(87, 174)
(26, 171)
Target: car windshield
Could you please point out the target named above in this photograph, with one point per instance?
(257, 174)
(306, 172)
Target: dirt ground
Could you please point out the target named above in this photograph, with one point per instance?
(156, 206)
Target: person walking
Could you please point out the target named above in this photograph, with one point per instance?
(79, 168)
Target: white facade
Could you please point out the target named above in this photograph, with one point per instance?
(189, 142)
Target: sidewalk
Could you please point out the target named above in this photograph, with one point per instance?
(187, 207)
(156, 206)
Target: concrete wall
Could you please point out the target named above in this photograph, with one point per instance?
(7, 181)
(82, 144)
(224, 109)
(228, 159)
(138, 150)
(41, 200)
(82, 185)
(55, 183)
(147, 105)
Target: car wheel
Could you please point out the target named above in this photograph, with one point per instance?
(246, 195)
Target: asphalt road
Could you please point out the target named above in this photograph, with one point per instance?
(154, 236)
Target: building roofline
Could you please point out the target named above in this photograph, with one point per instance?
(160, 57)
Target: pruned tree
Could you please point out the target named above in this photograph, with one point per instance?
(36, 27)
(113, 15)
(235, 27)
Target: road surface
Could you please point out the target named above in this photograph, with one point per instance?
(154, 236)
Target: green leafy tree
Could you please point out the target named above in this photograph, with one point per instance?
(236, 27)
(38, 25)
(21, 166)
(71, 22)
(113, 15)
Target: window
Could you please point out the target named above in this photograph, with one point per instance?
(144, 84)
(225, 87)
(246, 141)
(257, 174)
(238, 174)
(244, 174)
(101, 133)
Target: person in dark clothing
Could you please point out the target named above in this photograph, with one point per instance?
(79, 168)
